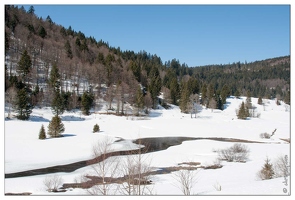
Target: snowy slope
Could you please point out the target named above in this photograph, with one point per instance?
(24, 151)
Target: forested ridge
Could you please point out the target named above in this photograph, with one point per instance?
(47, 64)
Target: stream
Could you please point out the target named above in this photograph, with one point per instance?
(150, 145)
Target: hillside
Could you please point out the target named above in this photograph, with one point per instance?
(86, 64)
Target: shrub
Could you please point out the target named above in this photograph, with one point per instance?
(52, 183)
(267, 171)
(236, 153)
(281, 166)
(265, 135)
(42, 134)
(95, 128)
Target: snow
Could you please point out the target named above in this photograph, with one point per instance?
(24, 151)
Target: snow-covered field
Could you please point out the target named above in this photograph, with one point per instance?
(24, 151)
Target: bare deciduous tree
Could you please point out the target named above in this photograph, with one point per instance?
(136, 169)
(106, 168)
(186, 180)
(10, 95)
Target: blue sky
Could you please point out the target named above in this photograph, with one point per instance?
(194, 34)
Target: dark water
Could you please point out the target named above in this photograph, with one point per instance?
(150, 145)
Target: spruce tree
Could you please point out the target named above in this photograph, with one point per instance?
(287, 98)
(243, 112)
(68, 49)
(225, 92)
(267, 171)
(24, 65)
(42, 134)
(23, 105)
(87, 102)
(184, 98)
(204, 94)
(55, 127)
(96, 128)
(174, 91)
(42, 32)
(57, 104)
(155, 84)
(259, 101)
(54, 78)
(139, 103)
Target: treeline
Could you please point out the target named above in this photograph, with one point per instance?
(35, 47)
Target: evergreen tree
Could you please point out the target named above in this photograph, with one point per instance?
(184, 98)
(174, 91)
(23, 106)
(48, 18)
(68, 49)
(135, 68)
(63, 32)
(237, 94)
(219, 102)
(55, 127)
(204, 94)
(225, 92)
(31, 10)
(95, 128)
(139, 103)
(42, 134)
(287, 98)
(243, 112)
(54, 79)
(155, 84)
(57, 104)
(42, 32)
(267, 171)
(259, 101)
(24, 65)
(87, 102)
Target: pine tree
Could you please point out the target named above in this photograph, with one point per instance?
(237, 94)
(87, 102)
(23, 106)
(184, 98)
(55, 127)
(24, 65)
(135, 68)
(139, 100)
(243, 112)
(42, 32)
(54, 78)
(42, 134)
(57, 104)
(204, 94)
(225, 92)
(155, 84)
(31, 10)
(96, 128)
(267, 171)
(287, 98)
(68, 49)
(174, 91)
(259, 101)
